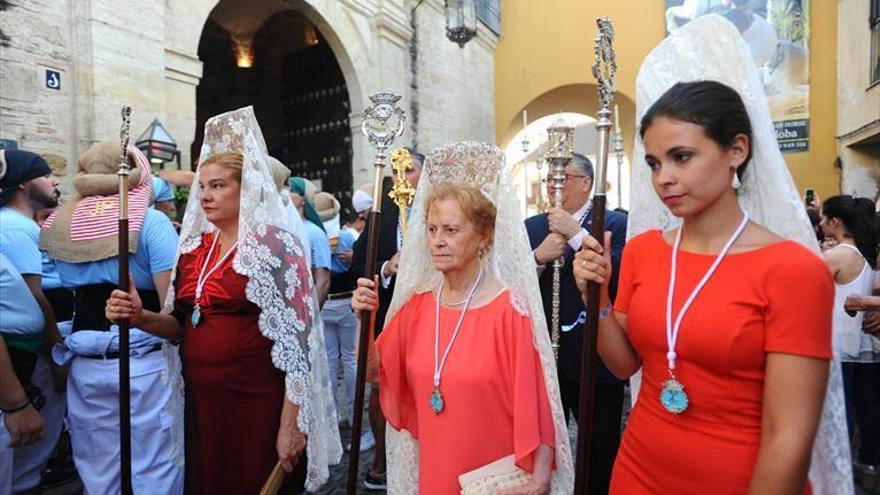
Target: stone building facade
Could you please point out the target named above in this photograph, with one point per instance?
(71, 64)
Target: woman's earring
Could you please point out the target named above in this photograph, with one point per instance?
(736, 184)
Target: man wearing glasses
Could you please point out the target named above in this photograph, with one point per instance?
(560, 232)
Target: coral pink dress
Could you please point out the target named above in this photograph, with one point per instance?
(493, 388)
(776, 299)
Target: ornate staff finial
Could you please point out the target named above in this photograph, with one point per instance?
(124, 136)
(560, 141)
(383, 121)
(605, 66)
(403, 192)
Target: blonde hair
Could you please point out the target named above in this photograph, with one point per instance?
(476, 207)
(230, 160)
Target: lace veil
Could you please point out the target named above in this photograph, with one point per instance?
(509, 258)
(272, 258)
(711, 48)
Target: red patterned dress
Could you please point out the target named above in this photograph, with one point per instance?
(234, 394)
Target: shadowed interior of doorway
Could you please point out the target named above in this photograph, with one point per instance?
(276, 59)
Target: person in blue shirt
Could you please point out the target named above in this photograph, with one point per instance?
(361, 202)
(163, 198)
(26, 182)
(302, 195)
(92, 348)
(31, 459)
(21, 425)
(26, 185)
(340, 323)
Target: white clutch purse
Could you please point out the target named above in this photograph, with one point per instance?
(497, 475)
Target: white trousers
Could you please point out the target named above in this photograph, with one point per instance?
(93, 421)
(31, 459)
(340, 336)
(21, 468)
(6, 459)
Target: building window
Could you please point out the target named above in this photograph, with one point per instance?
(489, 13)
(874, 21)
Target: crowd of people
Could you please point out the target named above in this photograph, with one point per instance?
(717, 308)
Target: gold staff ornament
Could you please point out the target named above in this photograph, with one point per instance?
(403, 192)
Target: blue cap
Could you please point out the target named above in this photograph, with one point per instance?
(161, 190)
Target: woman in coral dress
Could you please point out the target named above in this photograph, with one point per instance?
(494, 397)
(729, 322)
(732, 390)
(768, 301)
(462, 369)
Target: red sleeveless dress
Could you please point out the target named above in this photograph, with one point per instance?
(234, 393)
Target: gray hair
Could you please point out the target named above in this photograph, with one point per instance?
(583, 164)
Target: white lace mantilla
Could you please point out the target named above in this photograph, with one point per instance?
(711, 48)
(509, 258)
(279, 283)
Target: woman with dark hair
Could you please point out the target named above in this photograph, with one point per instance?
(850, 221)
(732, 391)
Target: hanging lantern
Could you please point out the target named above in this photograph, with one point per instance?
(158, 146)
(461, 20)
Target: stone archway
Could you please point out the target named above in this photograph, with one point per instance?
(341, 27)
(355, 33)
(270, 54)
(578, 99)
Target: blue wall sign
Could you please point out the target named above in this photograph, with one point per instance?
(53, 79)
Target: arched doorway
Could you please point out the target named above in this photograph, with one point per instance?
(270, 55)
(578, 104)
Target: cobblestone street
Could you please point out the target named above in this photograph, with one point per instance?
(339, 472)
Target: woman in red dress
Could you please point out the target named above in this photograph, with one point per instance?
(234, 393)
(463, 369)
(243, 312)
(733, 390)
